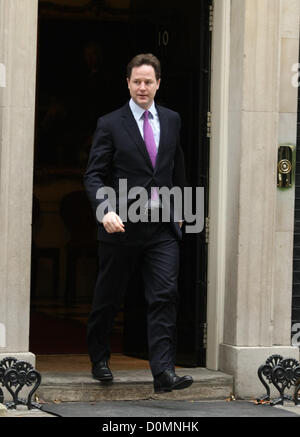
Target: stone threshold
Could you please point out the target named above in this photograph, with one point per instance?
(130, 385)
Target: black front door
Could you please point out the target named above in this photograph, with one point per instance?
(178, 33)
(296, 265)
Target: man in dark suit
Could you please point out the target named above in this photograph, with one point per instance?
(138, 143)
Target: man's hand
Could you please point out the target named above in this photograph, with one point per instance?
(180, 224)
(112, 223)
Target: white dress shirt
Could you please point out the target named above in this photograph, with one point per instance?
(138, 114)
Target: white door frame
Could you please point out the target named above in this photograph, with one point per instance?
(218, 178)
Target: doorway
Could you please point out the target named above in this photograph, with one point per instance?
(83, 51)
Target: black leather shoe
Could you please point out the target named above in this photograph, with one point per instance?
(168, 381)
(102, 372)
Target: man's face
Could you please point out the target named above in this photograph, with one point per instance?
(143, 85)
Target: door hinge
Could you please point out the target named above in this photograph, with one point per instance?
(208, 125)
(211, 17)
(205, 335)
(206, 230)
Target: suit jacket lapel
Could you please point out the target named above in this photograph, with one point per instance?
(133, 130)
(163, 121)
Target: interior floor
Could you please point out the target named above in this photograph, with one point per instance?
(58, 338)
(57, 327)
(81, 363)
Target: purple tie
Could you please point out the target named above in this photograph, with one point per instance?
(150, 144)
(149, 139)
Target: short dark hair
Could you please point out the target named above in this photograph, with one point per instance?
(144, 59)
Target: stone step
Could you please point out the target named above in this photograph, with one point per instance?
(130, 385)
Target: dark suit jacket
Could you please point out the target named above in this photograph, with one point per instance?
(119, 152)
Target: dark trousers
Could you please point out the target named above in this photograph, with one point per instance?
(156, 250)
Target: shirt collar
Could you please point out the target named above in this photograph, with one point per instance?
(138, 111)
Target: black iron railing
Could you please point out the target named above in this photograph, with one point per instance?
(14, 375)
(283, 374)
